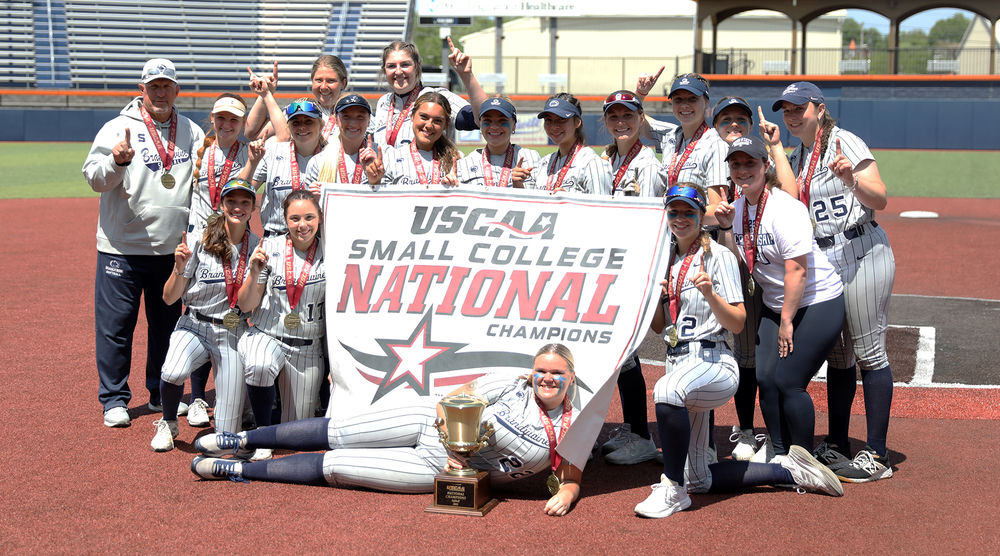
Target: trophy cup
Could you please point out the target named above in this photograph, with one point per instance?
(464, 491)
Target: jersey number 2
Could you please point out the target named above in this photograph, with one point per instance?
(837, 208)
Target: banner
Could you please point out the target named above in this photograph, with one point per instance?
(428, 289)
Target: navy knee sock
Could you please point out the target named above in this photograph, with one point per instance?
(170, 397)
(729, 476)
(632, 390)
(305, 435)
(711, 429)
(746, 396)
(675, 437)
(261, 401)
(199, 381)
(877, 386)
(301, 469)
(841, 385)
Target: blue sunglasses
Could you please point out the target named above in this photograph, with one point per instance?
(306, 106)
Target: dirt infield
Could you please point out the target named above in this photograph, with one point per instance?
(73, 485)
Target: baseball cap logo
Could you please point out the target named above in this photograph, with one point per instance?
(495, 102)
(553, 103)
(790, 89)
(684, 81)
(742, 142)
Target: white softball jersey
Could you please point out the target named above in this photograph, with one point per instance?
(275, 170)
(470, 170)
(269, 317)
(201, 200)
(589, 173)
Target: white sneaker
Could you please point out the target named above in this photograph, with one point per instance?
(198, 413)
(866, 466)
(766, 452)
(117, 417)
(619, 435)
(667, 498)
(635, 450)
(809, 473)
(261, 454)
(166, 432)
(182, 409)
(746, 443)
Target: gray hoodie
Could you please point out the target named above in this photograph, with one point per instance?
(138, 215)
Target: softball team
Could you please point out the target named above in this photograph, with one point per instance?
(840, 185)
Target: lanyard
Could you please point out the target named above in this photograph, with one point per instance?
(215, 187)
(166, 155)
(628, 160)
(750, 240)
(393, 127)
(233, 283)
(674, 293)
(418, 164)
(294, 290)
(554, 458)
(342, 168)
(805, 181)
(562, 173)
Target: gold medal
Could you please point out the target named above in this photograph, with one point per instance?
(231, 320)
(292, 321)
(672, 336)
(168, 180)
(553, 483)
(751, 286)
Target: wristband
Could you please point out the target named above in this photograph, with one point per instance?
(179, 272)
(726, 229)
(854, 186)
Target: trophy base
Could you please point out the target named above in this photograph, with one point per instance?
(462, 495)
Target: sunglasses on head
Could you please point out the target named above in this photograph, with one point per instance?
(620, 97)
(301, 106)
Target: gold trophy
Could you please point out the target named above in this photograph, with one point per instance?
(464, 491)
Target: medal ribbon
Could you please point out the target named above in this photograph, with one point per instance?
(214, 189)
(674, 170)
(232, 285)
(750, 240)
(418, 164)
(293, 161)
(805, 181)
(295, 289)
(628, 160)
(674, 293)
(166, 155)
(342, 168)
(390, 135)
(567, 414)
(331, 122)
(562, 173)
(508, 161)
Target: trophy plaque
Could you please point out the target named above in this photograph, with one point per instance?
(464, 491)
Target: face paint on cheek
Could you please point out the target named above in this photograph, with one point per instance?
(505, 125)
(535, 379)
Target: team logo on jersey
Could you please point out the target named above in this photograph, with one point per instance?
(422, 363)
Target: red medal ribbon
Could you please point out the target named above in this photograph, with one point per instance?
(567, 415)
(232, 285)
(166, 155)
(674, 170)
(342, 168)
(508, 161)
(418, 164)
(750, 241)
(674, 293)
(562, 173)
(214, 187)
(390, 134)
(624, 167)
(293, 161)
(805, 181)
(331, 122)
(295, 289)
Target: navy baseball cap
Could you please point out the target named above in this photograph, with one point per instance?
(500, 105)
(691, 84)
(687, 193)
(352, 100)
(749, 144)
(560, 108)
(731, 101)
(799, 92)
(625, 98)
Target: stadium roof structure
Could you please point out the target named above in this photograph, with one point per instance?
(801, 13)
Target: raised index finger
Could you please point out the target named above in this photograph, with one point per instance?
(451, 45)
(657, 76)
(128, 136)
(839, 152)
(760, 113)
(274, 73)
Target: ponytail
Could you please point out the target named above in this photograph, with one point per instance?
(826, 123)
(214, 238)
(209, 139)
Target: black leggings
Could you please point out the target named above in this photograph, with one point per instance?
(786, 406)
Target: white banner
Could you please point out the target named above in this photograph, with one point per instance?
(428, 289)
(555, 8)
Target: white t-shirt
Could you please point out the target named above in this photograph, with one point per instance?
(785, 233)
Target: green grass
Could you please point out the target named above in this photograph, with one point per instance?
(45, 170)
